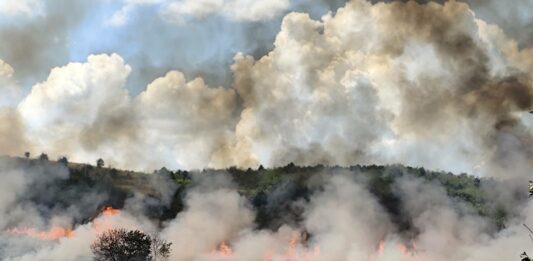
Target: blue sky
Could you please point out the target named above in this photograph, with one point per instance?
(44, 34)
(69, 31)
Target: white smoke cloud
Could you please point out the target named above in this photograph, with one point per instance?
(354, 87)
(80, 105)
(12, 132)
(349, 88)
(121, 17)
(346, 221)
(8, 86)
(188, 121)
(30, 8)
(296, 102)
(240, 10)
(214, 213)
(180, 11)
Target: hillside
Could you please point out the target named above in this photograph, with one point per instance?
(273, 193)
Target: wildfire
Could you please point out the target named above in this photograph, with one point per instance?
(103, 224)
(54, 233)
(408, 251)
(223, 251)
(295, 252)
(57, 232)
(381, 247)
(109, 212)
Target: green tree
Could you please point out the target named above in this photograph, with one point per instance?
(122, 245)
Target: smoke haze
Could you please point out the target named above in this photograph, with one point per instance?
(345, 221)
(446, 85)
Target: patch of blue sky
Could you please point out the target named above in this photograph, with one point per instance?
(198, 47)
(92, 35)
(152, 46)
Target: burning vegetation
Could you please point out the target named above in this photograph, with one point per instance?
(57, 232)
(53, 233)
(265, 215)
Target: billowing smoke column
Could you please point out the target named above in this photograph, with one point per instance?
(418, 84)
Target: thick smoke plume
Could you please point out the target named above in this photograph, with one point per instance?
(419, 84)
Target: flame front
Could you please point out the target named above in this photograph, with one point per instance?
(295, 252)
(54, 233)
(109, 212)
(103, 223)
(408, 251)
(57, 232)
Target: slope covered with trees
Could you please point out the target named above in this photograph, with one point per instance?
(271, 192)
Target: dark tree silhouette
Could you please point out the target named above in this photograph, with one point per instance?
(43, 157)
(100, 163)
(122, 245)
(63, 161)
(524, 257)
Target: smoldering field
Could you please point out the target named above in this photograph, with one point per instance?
(308, 214)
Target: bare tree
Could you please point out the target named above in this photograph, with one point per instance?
(160, 249)
(524, 256)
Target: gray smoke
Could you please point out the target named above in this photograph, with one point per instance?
(446, 91)
(430, 84)
(344, 219)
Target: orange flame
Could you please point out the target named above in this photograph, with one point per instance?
(295, 251)
(408, 251)
(57, 232)
(292, 254)
(223, 251)
(101, 225)
(381, 247)
(109, 212)
(54, 233)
